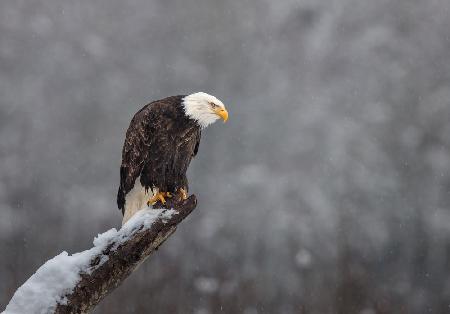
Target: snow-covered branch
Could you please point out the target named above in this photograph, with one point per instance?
(76, 283)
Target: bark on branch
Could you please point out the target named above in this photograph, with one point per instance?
(123, 260)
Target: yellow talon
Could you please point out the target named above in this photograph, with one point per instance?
(183, 194)
(160, 196)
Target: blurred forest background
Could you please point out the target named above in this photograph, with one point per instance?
(327, 192)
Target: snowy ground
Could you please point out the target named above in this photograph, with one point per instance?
(57, 277)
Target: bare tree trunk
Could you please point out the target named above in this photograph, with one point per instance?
(123, 260)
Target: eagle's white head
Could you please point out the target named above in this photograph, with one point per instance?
(204, 108)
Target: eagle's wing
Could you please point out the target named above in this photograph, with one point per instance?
(134, 153)
(197, 143)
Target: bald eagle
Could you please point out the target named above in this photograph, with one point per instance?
(160, 143)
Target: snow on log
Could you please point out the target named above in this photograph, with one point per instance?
(76, 283)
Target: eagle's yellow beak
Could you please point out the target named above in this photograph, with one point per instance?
(222, 112)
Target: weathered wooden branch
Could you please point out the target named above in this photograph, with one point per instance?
(123, 260)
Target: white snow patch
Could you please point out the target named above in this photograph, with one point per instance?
(57, 277)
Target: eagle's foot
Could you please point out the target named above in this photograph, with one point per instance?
(160, 196)
(182, 193)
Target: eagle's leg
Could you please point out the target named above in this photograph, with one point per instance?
(160, 196)
(182, 193)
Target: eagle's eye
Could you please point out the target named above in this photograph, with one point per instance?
(213, 105)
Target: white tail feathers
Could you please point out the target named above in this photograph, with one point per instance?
(136, 199)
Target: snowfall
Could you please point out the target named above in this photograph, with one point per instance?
(49, 285)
